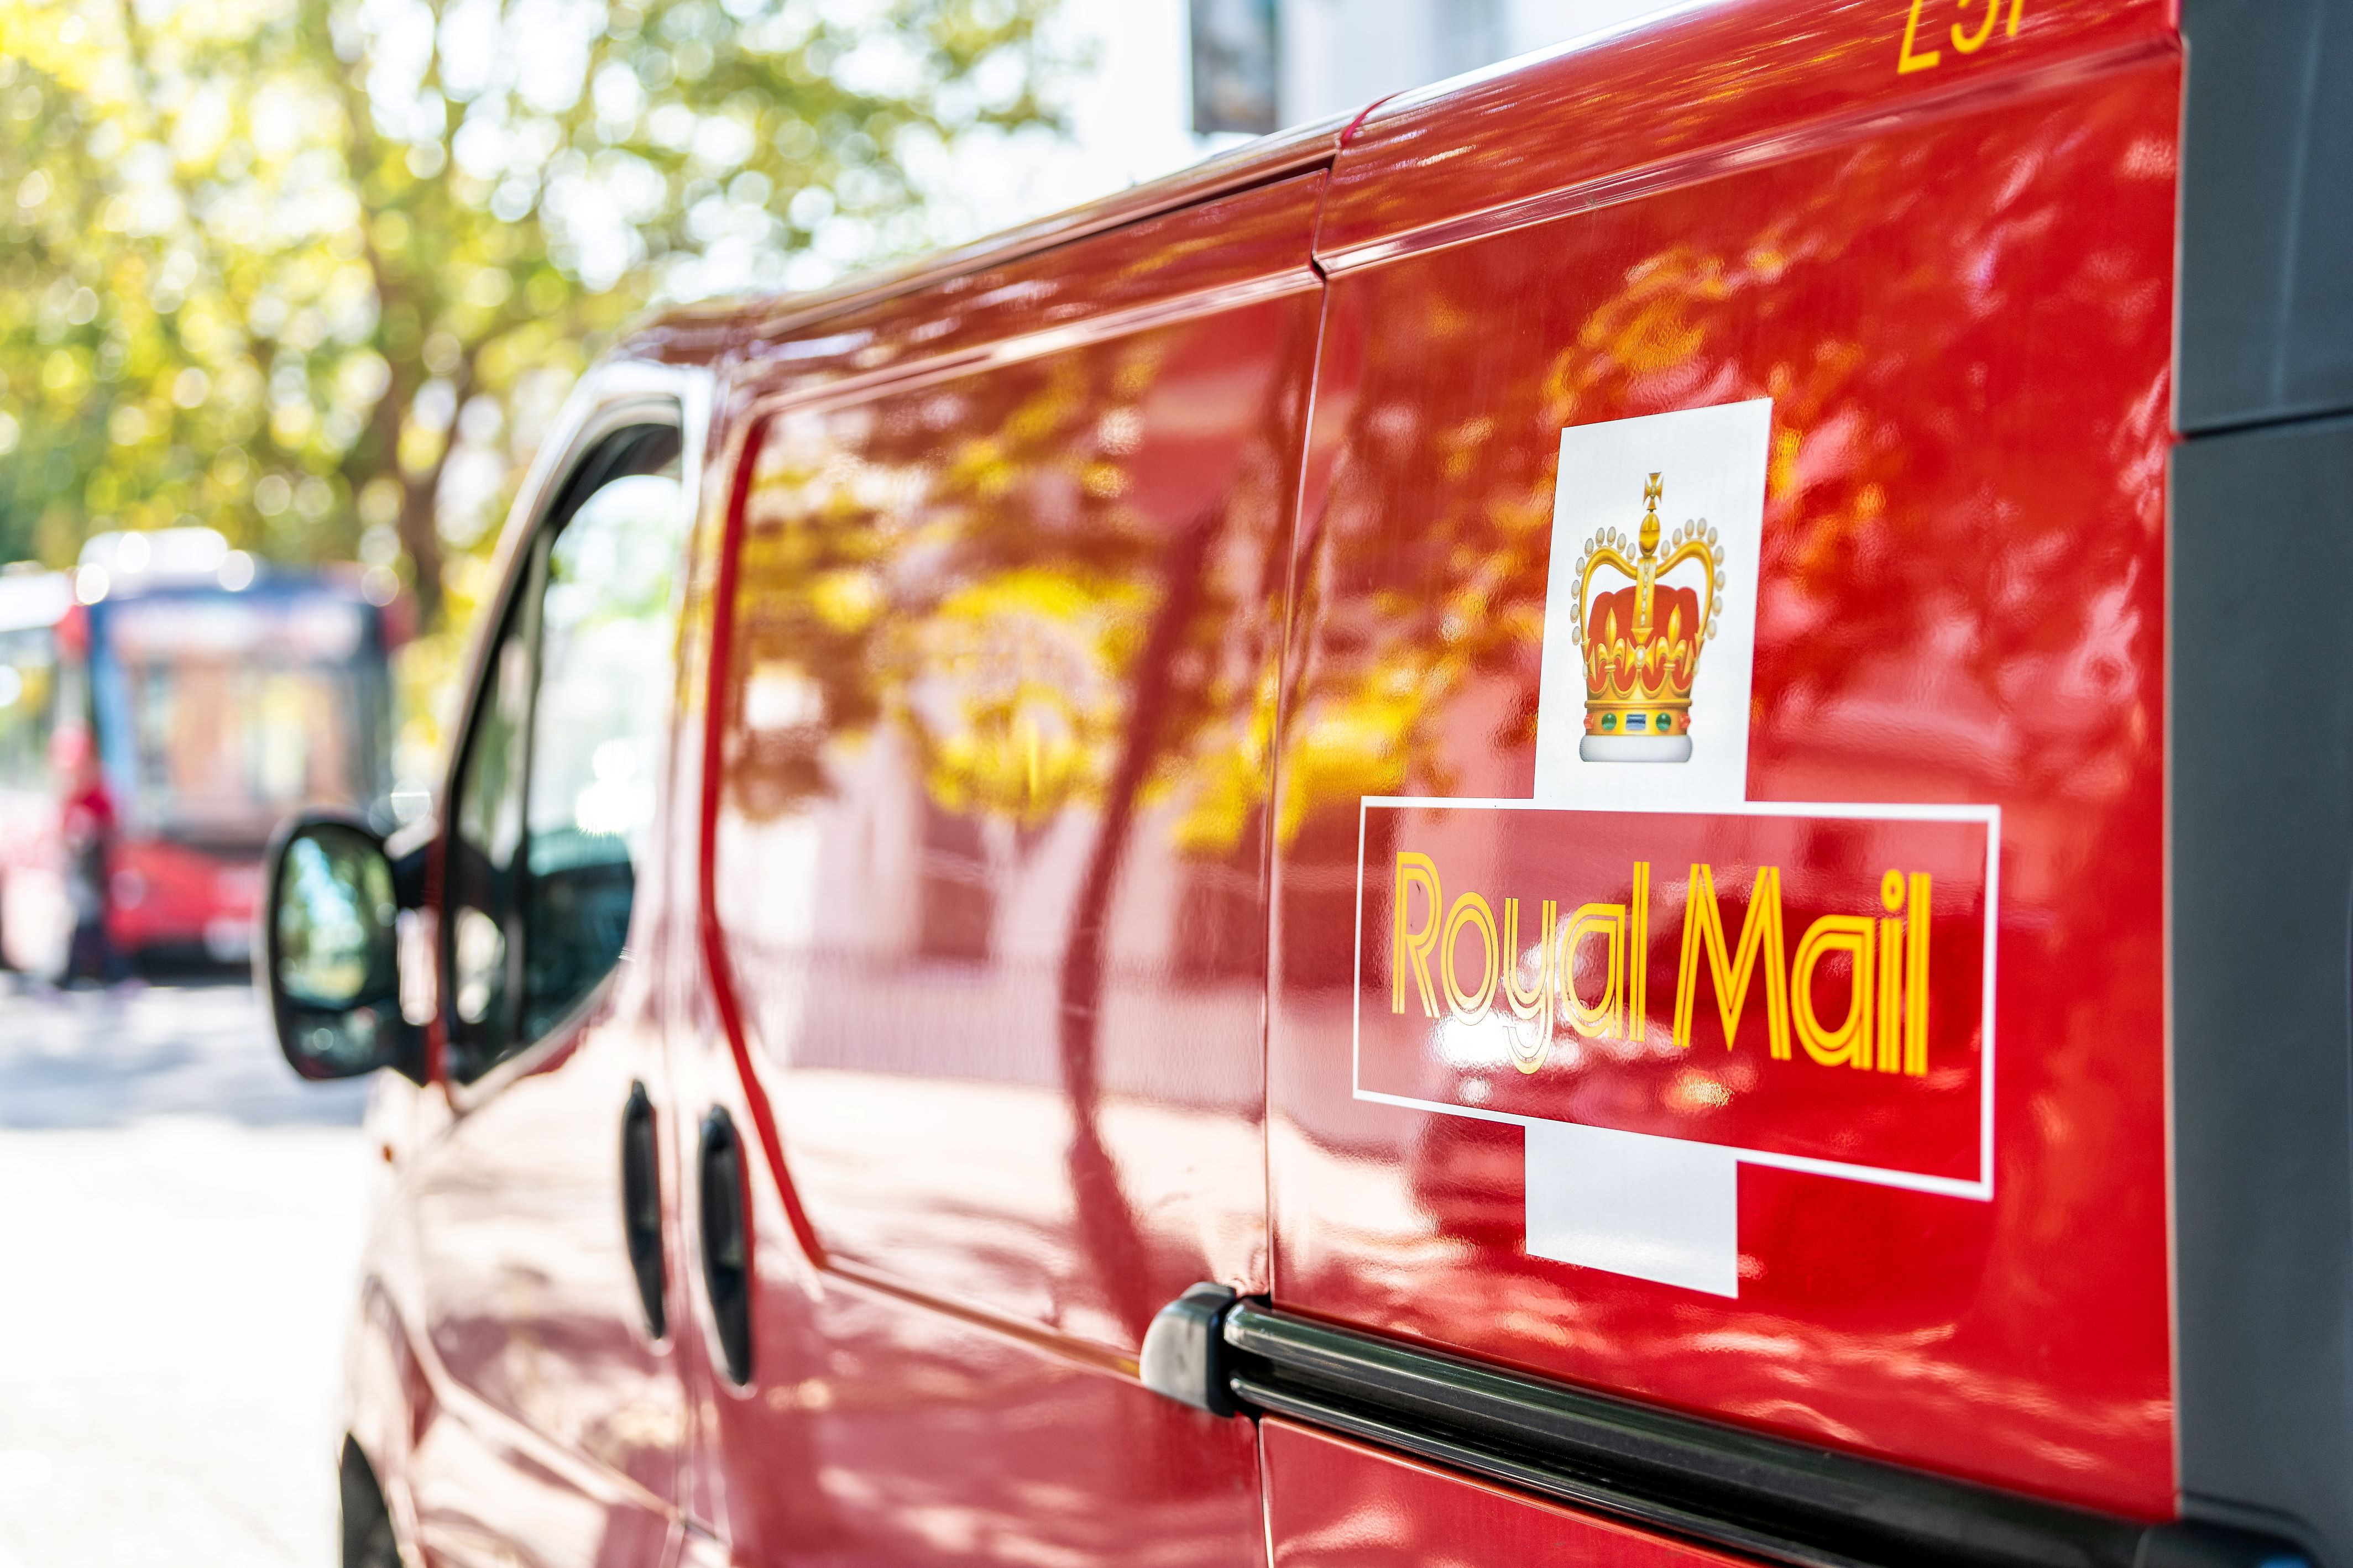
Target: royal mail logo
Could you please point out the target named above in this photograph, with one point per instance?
(1642, 640)
(1883, 977)
(1651, 609)
(1658, 979)
(1806, 986)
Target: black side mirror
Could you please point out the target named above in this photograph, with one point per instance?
(329, 958)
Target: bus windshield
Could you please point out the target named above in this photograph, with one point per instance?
(221, 712)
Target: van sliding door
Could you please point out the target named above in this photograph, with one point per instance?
(1003, 620)
(1718, 1059)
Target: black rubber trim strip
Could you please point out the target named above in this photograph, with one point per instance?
(1765, 1497)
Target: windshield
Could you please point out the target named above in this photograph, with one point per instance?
(220, 713)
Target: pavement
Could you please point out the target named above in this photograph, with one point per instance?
(180, 1228)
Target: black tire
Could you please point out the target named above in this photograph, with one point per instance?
(367, 1524)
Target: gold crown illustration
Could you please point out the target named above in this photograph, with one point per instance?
(1642, 642)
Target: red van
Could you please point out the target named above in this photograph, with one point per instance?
(1605, 820)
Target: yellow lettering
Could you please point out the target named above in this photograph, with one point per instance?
(1890, 1025)
(1637, 953)
(1607, 921)
(1884, 1025)
(1468, 909)
(1536, 1002)
(1529, 1047)
(1971, 42)
(1906, 60)
(1411, 949)
(1915, 980)
(1760, 938)
(1849, 1044)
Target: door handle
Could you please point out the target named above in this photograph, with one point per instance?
(726, 1244)
(641, 1211)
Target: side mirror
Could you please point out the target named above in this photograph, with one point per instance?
(328, 955)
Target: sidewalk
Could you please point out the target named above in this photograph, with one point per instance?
(182, 1220)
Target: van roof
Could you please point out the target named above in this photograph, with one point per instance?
(701, 332)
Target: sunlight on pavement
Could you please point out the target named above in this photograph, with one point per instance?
(183, 1220)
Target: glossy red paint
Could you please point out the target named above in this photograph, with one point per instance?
(551, 1403)
(1211, 255)
(708, 335)
(1723, 88)
(1331, 1503)
(985, 866)
(880, 1427)
(513, 1399)
(1052, 610)
(1962, 318)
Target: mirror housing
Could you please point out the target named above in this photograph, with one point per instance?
(329, 957)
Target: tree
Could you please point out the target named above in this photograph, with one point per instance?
(317, 274)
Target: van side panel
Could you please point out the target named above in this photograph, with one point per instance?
(988, 889)
(1332, 1504)
(1721, 86)
(1957, 317)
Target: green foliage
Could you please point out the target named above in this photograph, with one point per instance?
(317, 274)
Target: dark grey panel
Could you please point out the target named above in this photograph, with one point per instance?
(2262, 736)
(2267, 211)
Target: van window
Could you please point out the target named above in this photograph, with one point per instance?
(555, 799)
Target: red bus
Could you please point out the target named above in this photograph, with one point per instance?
(198, 696)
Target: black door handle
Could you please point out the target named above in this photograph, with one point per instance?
(641, 1215)
(726, 1245)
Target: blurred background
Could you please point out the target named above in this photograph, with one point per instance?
(290, 293)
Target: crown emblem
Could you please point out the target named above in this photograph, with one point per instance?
(1642, 641)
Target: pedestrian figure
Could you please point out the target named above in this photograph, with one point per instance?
(86, 825)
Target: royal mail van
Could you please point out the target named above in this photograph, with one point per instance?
(1603, 820)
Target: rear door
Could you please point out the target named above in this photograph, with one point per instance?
(1718, 906)
(1004, 605)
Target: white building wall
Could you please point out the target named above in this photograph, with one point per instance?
(1129, 114)
(1339, 55)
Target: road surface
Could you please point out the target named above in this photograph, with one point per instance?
(181, 1221)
